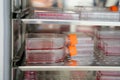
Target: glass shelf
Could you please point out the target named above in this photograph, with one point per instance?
(70, 22)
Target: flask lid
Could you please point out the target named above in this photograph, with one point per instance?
(73, 63)
(114, 8)
(72, 50)
(73, 39)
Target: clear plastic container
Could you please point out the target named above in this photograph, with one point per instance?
(84, 47)
(57, 15)
(108, 43)
(99, 16)
(45, 56)
(112, 47)
(85, 44)
(109, 73)
(103, 55)
(109, 78)
(82, 38)
(91, 47)
(84, 56)
(112, 43)
(37, 41)
(108, 59)
(89, 51)
(112, 51)
(81, 62)
(109, 34)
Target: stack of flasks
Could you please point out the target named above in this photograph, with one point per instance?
(54, 48)
(108, 44)
(85, 50)
(108, 75)
(45, 48)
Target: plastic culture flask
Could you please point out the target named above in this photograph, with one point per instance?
(45, 56)
(45, 41)
(109, 73)
(80, 38)
(78, 57)
(49, 56)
